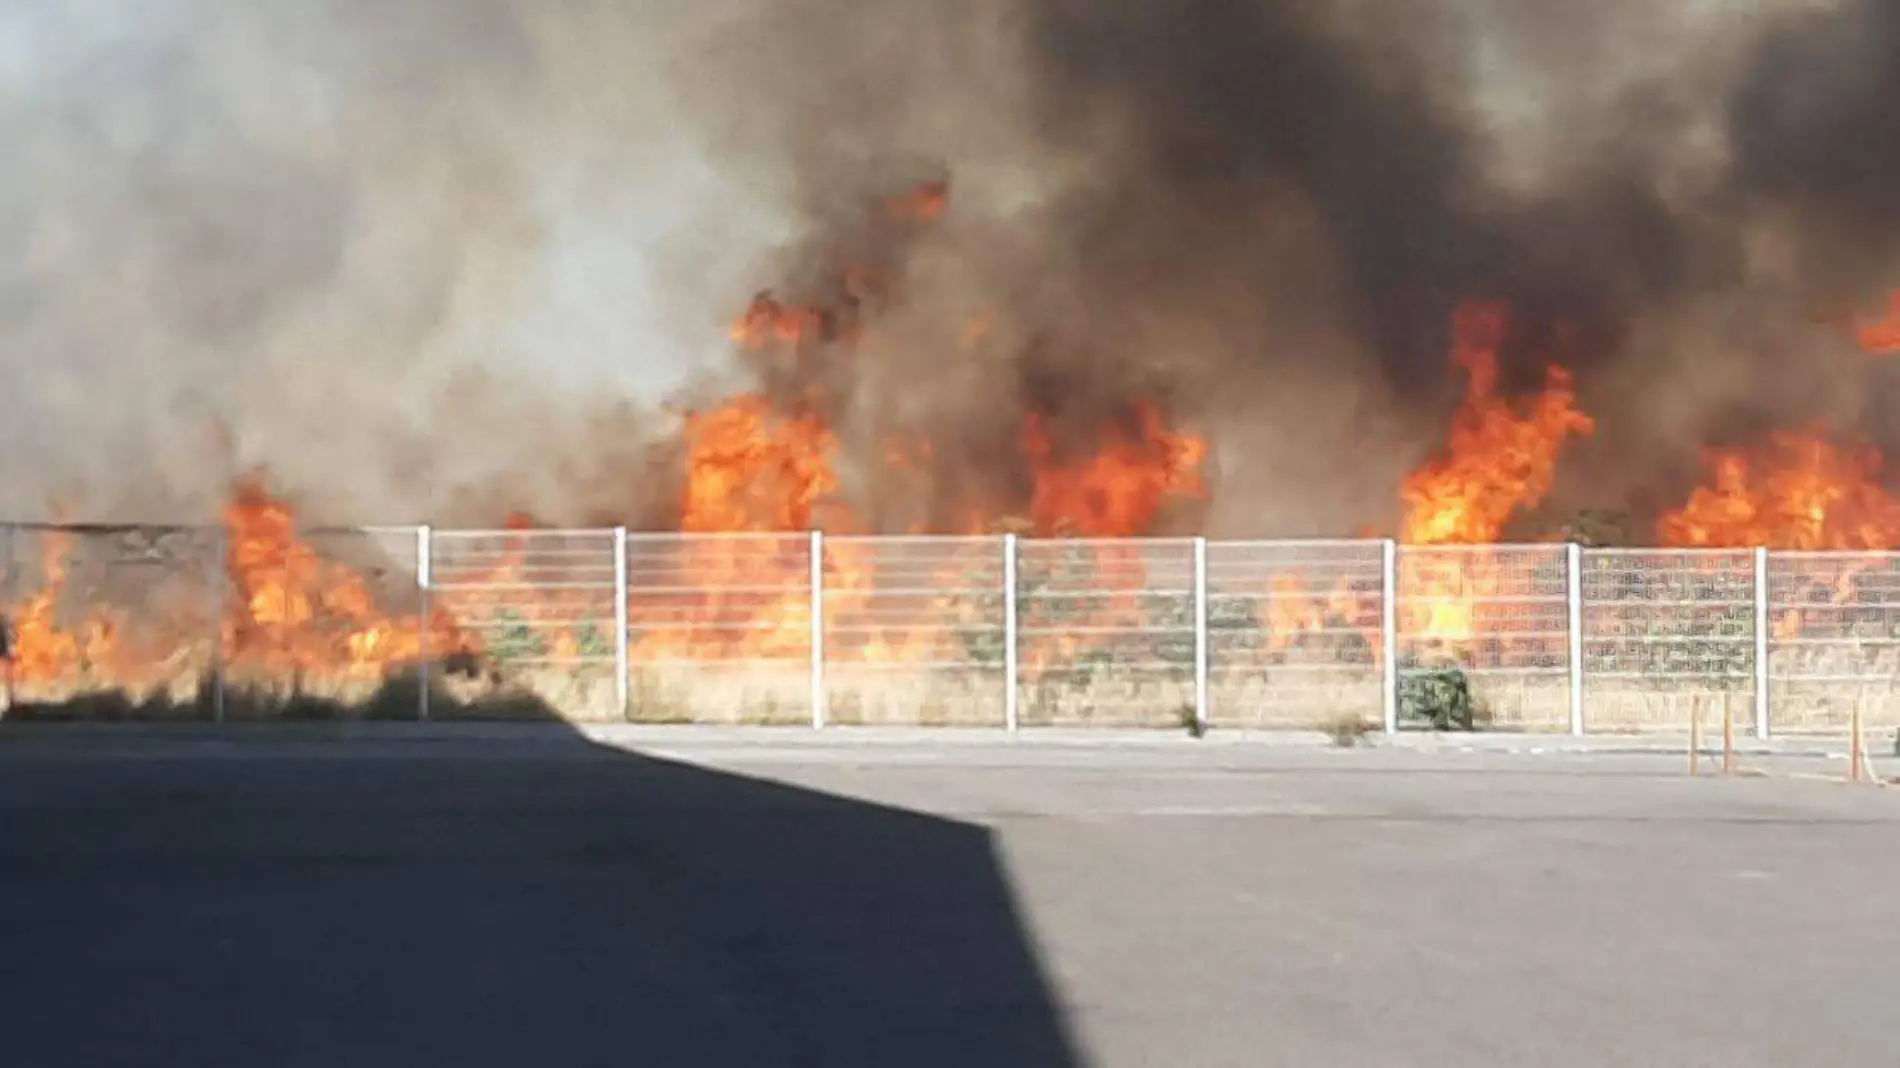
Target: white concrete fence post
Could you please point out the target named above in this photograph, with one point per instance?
(817, 629)
(623, 669)
(220, 574)
(1389, 632)
(1200, 634)
(1573, 598)
(1012, 696)
(425, 556)
(1762, 628)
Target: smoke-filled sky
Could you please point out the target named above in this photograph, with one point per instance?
(424, 258)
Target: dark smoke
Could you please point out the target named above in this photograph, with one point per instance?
(371, 250)
(1269, 211)
(1815, 144)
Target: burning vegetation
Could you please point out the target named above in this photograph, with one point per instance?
(773, 460)
(1196, 268)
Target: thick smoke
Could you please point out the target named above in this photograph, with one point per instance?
(390, 256)
(1267, 212)
(393, 260)
(1814, 144)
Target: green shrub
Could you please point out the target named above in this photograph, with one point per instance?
(1439, 695)
(1598, 528)
(511, 638)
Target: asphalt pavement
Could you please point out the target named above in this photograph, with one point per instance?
(686, 897)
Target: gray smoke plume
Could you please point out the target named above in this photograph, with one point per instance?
(441, 260)
(391, 254)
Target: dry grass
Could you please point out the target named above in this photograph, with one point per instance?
(396, 698)
(894, 695)
(1348, 729)
(1292, 699)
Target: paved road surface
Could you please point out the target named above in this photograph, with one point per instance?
(694, 897)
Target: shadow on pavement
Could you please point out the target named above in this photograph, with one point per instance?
(214, 901)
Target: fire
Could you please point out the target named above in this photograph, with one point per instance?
(1291, 612)
(767, 321)
(1499, 459)
(1882, 336)
(43, 650)
(1121, 489)
(298, 612)
(1801, 492)
(752, 468)
(923, 203)
(759, 465)
(1297, 611)
(287, 612)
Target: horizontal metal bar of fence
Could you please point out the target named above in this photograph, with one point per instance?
(712, 536)
(1825, 554)
(447, 533)
(1610, 552)
(1294, 543)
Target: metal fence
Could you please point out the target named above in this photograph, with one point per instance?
(204, 623)
(1500, 614)
(1296, 631)
(1665, 631)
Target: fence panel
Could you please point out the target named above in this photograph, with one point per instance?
(535, 611)
(1105, 631)
(111, 622)
(1834, 632)
(1294, 631)
(914, 631)
(719, 627)
(1665, 631)
(1495, 617)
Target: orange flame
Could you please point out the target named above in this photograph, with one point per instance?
(1121, 489)
(766, 321)
(1882, 336)
(759, 466)
(751, 468)
(42, 649)
(298, 612)
(289, 612)
(1800, 492)
(923, 203)
(1499, 460)
(1297, 612)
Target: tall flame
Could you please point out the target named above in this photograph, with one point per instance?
(44, 650)
(758, 464)
(1499, 459)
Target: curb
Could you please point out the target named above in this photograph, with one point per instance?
(829, 737)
